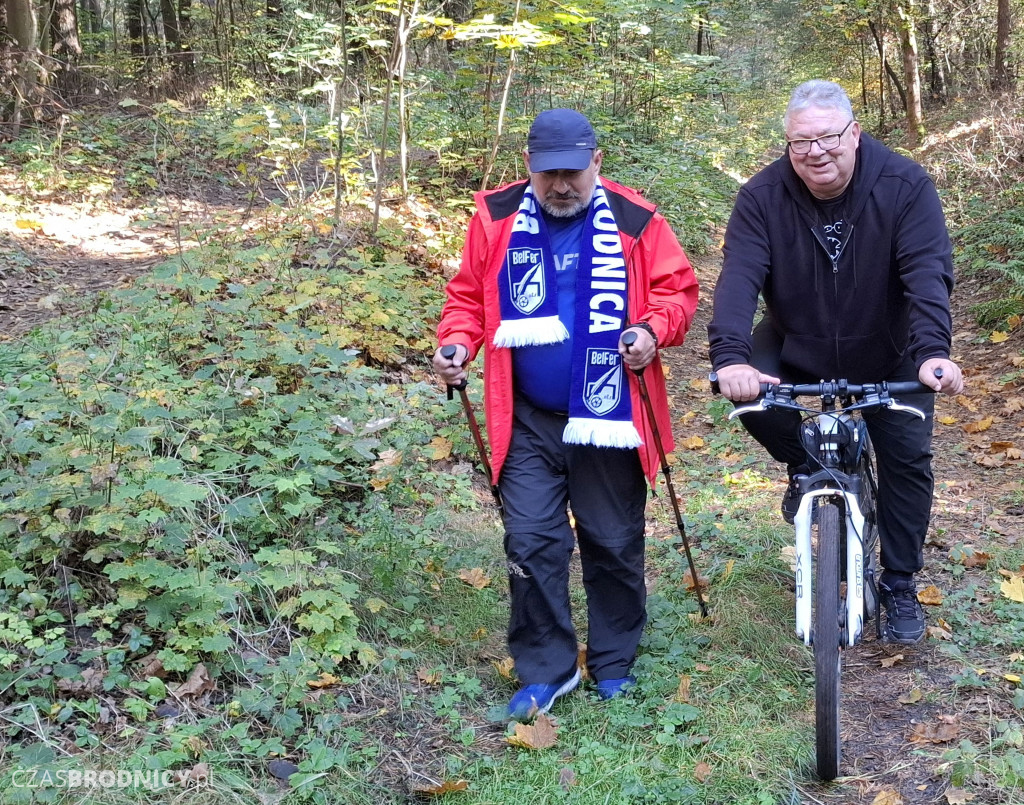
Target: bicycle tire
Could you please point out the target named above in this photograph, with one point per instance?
(827, 643)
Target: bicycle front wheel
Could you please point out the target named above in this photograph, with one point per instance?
(827, 642)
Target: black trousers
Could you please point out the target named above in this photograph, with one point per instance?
(902, 444)
(607, 492)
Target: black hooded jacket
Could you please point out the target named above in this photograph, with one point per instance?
(886, 294)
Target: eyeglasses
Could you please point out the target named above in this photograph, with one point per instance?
(826, 142)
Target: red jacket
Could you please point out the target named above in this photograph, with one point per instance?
(662, 291)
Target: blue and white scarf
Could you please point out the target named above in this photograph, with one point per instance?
(600, 412)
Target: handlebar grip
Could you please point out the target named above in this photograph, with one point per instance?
(448, 352)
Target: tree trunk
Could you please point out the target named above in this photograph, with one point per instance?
(1001, 79)
(911, 76)
(90, 17)
(136, 28)
(23, 28)
(937, 88)
(67, 48)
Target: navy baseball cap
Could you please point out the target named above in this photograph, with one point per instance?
(560, 139)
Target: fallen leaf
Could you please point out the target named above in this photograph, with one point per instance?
(282, 769)
(692, 443)
(972, 558)
(440, 448)
(566, 778)
(581, 660)
(504, 667)
(701, 772)
(889, 662)
(988, 461)
(702, 667)
(325, 680)
(957, 796)
(541, 734)
(979, 426)
(683, 691)
(198, 683)
(447, 787)
(887, 797)
(428, 677)
(943, 730)
(475, 578)
(1014, 453)
(1013, 588)
(199, 773)
(930, 596)
(946, 420)
(1014, 678)
(940, 633)
(998, 337)
(913, 697)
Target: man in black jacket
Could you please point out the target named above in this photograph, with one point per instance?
(847, 243)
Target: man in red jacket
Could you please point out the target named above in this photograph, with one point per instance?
(554, 270)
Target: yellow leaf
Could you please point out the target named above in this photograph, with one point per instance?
(887, 797)
(375, 605)
(930, 596)
(440, 788)
(475, 578)
(979, 426)
(504, 667)
(947, 420)
(1013, 588)
(683, 691)
(1014, 678)
(1014, 321)
(325, 680)
(541, 734)
(440, 448)
(998, 337)
(693, 443)
(28, 223)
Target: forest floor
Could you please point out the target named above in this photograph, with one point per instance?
(902, 706)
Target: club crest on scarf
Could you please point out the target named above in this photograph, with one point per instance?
(527, 279)
(600, 409)
(602, 381)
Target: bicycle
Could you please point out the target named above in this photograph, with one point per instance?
(838, 496)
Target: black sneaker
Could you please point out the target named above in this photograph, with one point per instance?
(904, 617)
(791, 500)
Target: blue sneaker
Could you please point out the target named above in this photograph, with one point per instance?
(610, 688)
(535, 699)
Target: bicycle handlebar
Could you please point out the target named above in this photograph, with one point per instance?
(837, 388)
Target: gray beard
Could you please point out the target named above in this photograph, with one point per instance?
(565, 212)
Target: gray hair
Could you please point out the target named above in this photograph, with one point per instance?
(820, 95)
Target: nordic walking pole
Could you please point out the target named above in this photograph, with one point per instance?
(449, 353)
(629, 338)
